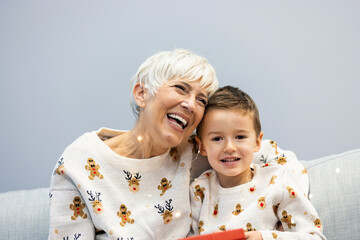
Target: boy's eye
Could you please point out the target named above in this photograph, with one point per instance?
(240, 137)
(216, 139)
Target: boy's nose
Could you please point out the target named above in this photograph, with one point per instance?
(229, 147)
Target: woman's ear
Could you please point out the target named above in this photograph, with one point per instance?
(139, 95)
(202, 149)
(258, 142)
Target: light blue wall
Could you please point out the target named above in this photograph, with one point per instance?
(65, 67)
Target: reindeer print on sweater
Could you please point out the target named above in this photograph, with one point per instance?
(133, 180)
(166, 214)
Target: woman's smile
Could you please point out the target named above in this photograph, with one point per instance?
(180, 121)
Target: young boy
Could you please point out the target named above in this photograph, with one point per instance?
(237, 193)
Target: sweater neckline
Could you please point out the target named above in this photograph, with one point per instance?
(105, 133)
(241, 187)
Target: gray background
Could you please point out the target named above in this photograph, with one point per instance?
(65, 68)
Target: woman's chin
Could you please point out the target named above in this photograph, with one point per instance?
(174, 140)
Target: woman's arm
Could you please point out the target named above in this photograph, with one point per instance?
(69, 215)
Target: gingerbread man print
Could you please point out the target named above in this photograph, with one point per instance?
(93, 168)
(201, 224)
(164, 186)
(124, 214)
(77, 207)
(199, 193)
(238, 209)
(287, 219)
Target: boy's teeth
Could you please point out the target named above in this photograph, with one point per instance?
(184, 122)
(230, 160)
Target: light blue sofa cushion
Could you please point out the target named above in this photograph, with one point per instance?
(24, 214)
(335, 192)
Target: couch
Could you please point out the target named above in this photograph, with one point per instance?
(334, 188)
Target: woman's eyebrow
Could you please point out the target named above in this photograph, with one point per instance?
(188, 86)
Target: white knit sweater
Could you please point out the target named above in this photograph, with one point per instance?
(97, 194)
(277, 192)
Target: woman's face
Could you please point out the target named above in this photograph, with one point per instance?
(174, 112)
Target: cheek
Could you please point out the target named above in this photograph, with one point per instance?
(249, 151)
(248, 146)
(199, 113)
(214, 151)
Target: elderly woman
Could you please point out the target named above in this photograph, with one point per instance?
(111, 184)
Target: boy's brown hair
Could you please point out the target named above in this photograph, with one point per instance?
(232, 98)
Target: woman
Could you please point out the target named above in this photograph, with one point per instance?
(133, 184)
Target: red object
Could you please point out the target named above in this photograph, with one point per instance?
(237, 234)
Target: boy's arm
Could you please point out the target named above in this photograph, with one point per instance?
(69, 215)
(296, 214)
(271, 154)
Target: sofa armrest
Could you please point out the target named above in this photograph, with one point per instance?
(335, 193)
(24, 214)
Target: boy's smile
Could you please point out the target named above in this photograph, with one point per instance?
(229, 141)
(230, 161)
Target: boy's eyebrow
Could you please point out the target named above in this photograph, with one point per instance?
(187, 85)
(237, 131)
(214, 132)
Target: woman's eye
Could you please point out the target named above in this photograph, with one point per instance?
(203, 101)
(182, 88)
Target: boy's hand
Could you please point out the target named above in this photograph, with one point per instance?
(253, 235)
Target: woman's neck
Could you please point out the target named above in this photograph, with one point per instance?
(135, 143)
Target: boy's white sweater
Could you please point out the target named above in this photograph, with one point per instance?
(277, 193)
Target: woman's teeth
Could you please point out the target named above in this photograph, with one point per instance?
(179, 120)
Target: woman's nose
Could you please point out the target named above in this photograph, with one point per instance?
(189, 103)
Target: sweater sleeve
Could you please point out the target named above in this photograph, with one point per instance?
(296, 214)
(69, 216)
(271, 154)
(195, 210)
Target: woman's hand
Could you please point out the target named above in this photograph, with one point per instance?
(253, 235)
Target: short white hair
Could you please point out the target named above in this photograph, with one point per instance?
(168, 65)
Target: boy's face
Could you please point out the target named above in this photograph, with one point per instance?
(229, 141)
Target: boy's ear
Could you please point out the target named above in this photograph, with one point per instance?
(139, 95)
(202, 149)
(258, 142)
